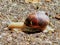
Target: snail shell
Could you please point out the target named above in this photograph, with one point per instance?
(38, 20)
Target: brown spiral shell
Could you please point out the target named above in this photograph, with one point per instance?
(38, 20)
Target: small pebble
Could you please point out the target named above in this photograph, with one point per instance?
(57, 17)
(6, 28)
(0, 36)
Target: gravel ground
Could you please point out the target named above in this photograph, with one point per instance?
(17, 11)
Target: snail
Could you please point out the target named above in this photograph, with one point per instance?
(37, 20)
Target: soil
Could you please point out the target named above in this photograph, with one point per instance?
(18, 10)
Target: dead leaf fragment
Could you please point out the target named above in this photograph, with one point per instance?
(47, 0)
(35, 1)
(32, 1)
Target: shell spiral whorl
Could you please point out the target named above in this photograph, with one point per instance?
(38, 20)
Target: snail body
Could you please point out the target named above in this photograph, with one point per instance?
(17, 25)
